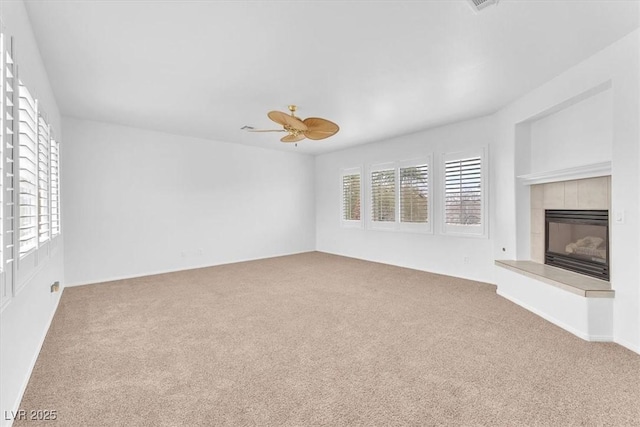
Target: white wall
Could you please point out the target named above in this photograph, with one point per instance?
(520, 135)
(139, 202)
(432, 252)
(24, 321)
(577, 135)
(617, 66)
(134, 201)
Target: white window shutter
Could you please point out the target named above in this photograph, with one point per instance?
(44, 146)
(8, 139)
(463, 191)
(28, 172)
(414, 194)
(351, 197)
(383, 195)
(55, 188)
(6, 120)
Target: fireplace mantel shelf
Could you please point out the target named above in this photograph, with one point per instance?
(578, 284)
(578, 172)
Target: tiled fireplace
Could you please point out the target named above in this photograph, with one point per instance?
(580, 194)
(577, 302)
(563, 166)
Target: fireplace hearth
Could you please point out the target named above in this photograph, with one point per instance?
(578, 240)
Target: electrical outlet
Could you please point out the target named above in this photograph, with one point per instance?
(465, 260)
(55, 287)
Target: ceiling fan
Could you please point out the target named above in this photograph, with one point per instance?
(313, 127)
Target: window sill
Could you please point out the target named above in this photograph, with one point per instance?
(463, 234)
(351, 224)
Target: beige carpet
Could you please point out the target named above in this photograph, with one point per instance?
(317, 339)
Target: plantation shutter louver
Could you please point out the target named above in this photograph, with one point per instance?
(43, 180)
(4, 115)
(463, 191)
(383, 195)
(414, 194)
(55, 188)
(8, 121)
(28, 170)
(6, 145)
(351, 197)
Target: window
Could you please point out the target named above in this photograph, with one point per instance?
(29, 180)
(414, 194)
(7, 138)
(55, 188)
(463, 190)
(351, 197)
(43, 180)
(383, 195)
(464, 204)
(28, 195)
(4, 128)
(400, 195)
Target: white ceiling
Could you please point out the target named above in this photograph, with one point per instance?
(377, 68)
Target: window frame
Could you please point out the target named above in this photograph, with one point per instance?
(381, 225)
(30, 262)
(417, 227)
(44, 176)
(19, 170)
(352, 223)
(480, 230)
(16, 268)
(54, 232)
(398, 224)
(8, 138)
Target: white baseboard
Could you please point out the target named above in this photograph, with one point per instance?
(457, 275)
(633, 347)
(175, 270)
(549, 318)
(32, 363)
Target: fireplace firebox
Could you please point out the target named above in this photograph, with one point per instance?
(578, 240)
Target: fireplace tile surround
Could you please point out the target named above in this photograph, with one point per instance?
(590, 193)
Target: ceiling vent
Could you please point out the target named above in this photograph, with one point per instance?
(478, 5)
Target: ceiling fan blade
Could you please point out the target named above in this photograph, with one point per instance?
(293, 138)
(285, 119)
(266, 130)
(318, 128)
